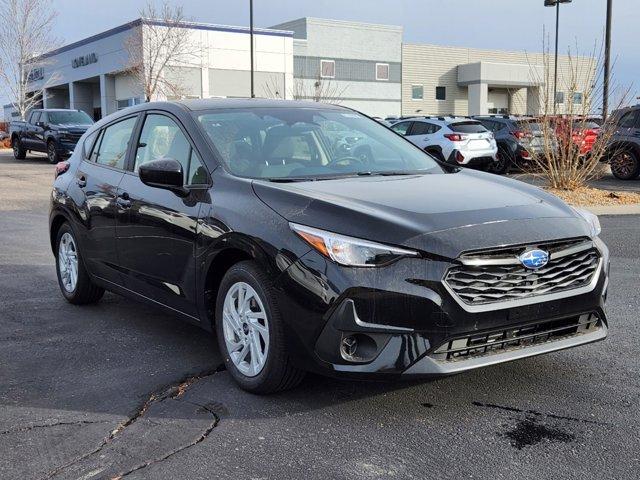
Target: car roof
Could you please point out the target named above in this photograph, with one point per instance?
(56, 110)
(224, 103)
(440, 120)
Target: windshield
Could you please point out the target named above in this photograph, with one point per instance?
(309, 143)
(69, 118)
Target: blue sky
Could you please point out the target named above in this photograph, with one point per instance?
(500, 24)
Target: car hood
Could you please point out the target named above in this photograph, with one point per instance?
(72, 126)
(443, 214)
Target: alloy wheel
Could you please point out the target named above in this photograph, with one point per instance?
(246, 329)
(623, 164)
(68, 262)
(51, 152)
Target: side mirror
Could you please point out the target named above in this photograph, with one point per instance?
(40, 124)
(164, 173)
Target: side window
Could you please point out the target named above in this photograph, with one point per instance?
(88, 144)
(114, 143)
(401, 127)
(197, 174)
(627, 120)
(161, 137)
(44, 118)
(35, 118)
(421, 128)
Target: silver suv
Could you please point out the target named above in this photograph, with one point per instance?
(458, 140)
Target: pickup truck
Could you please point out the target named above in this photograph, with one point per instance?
(53, 131)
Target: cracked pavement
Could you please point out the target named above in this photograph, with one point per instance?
(123, 390)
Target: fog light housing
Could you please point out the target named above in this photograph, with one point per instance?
(358, 348)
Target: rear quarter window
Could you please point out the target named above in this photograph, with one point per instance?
(467, 127)
(88, 144)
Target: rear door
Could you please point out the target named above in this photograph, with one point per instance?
(98, 178)
(38, 138)
(421, 133)
(29, 130)
(156, 228)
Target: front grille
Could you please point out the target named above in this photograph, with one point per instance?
(72, 137)
(499, 341)
(498, 276)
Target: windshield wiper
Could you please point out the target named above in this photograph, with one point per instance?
(391, 173)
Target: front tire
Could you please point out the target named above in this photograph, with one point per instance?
(19, 153)
(250, 331)
(52, 152)
(73, 279)
(503, 163)
(625, 165)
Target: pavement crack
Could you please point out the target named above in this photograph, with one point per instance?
(202, 437)
(28, 428)
(174, 390)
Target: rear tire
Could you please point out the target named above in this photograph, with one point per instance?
(625, 165)
(19, 153)
(502, 165)
(74, 281)
(52, 152)
(253, 333)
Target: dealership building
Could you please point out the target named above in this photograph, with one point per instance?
(360, 65)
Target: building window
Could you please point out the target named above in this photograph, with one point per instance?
(128, 102)
(327, 69)
(559, 97)
(382, 71)
(441, 93)
(417, 92)
(577, 98)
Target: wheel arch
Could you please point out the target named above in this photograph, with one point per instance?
(234, 249)
(623, 145)
(57, 219)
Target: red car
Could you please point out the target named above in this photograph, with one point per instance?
(583, 134)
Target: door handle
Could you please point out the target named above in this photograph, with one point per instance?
(81, 181)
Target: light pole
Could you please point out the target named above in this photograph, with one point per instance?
(251, 47)
(555, 3)
(607, 66)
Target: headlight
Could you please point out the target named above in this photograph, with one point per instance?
(591, 219)
(350, 251)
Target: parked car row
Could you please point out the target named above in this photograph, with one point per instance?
(519, 138)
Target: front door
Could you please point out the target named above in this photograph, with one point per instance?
(156, 228)
(98, 178)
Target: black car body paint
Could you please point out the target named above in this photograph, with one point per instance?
(171, 250)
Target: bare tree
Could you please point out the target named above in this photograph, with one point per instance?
(323, 90)
(158, 47)
(25, 34)
(568, 158)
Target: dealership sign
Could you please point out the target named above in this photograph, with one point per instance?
(84, 60)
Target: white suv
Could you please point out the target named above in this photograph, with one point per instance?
(457, 140)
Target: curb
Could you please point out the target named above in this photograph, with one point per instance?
(614, 209)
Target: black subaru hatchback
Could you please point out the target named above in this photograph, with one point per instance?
(312, 238)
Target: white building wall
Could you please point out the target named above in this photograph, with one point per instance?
(356, 48)
(437, 65)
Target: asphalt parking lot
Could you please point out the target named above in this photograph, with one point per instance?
(121, 389)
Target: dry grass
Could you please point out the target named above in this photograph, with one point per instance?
(587, 196)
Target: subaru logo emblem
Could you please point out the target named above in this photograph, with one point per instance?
(534, 259)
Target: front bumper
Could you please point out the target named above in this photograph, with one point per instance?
(403, 314)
